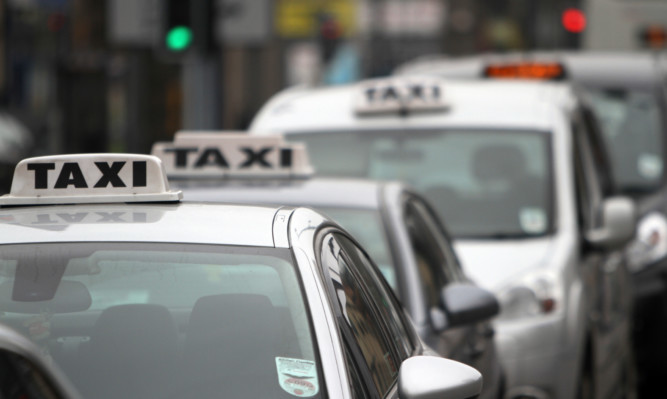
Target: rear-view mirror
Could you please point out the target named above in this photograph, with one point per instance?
(70, 296)
(429, 377)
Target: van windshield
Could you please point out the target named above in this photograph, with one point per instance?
(633, 130)
(484, 184)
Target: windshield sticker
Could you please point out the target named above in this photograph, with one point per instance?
(297, 377)
(649, 166)
(533, 220)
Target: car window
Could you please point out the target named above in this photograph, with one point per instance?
(138, 320)
(484, 183)
(633, 127)
(357, 383)
(382, 295)
(596, 143)
(430, 261)
(358, 315)
(367, 227)
(451, 266)
(589, 186)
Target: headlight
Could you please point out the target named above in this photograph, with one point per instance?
(533, 295)
(650, 245)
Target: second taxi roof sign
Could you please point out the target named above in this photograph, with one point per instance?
(232, 154)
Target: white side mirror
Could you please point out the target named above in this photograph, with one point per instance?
(618, 223)
(429, 377)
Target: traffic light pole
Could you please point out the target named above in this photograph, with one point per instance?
(201, 92)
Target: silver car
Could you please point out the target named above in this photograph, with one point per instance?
(404, 237)
(134, 294)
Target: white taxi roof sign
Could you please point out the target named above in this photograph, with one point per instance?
(232, 154)
(89, 178)
(400, 95)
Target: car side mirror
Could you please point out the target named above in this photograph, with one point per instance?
(618, 224)
(25, 372)
(465, 303)
(428, 377)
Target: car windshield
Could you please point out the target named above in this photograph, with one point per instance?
(366, 226)
(484, 184)
(164, 320)
(633, 127)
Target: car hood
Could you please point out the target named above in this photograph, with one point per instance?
(494, 263)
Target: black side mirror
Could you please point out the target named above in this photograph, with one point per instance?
(465, 303)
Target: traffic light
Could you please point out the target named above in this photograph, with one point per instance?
(573, 20)
(330, 35)
(186, 27)
(177, 26)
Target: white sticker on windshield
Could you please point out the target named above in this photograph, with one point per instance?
(649, 166)
(297, 377)
(533, 220)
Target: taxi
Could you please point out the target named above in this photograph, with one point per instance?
(397, 227)
(134, 294)
(515, 171)
(626, 91)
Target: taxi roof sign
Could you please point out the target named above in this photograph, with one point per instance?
(89, 178)
(232, 154)
(400, 95)
(526, 70)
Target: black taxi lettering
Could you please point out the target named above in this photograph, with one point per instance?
(410, 93)
(213, 156)
(71, 175)
(255, 157)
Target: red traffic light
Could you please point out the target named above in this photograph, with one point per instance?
(574, 20)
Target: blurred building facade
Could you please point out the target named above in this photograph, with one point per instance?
(93, 75)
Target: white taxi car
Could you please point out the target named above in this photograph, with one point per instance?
(134, 294)
(517, 172)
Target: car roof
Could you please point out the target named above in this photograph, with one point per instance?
(315, 192)
(174, 223)
(590, 68)
(489, 104)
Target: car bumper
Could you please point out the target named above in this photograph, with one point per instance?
(537, 358)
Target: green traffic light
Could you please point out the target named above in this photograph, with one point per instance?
(179, 38)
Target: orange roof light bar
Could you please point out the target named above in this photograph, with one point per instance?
(526, 70)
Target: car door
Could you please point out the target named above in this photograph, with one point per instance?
(604, 271)
(438, 267)
(376, 335)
